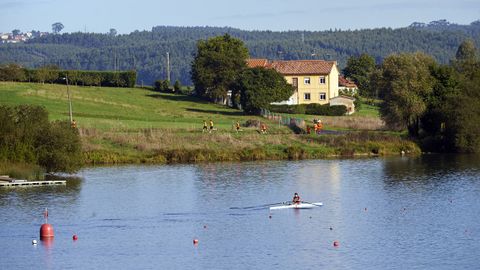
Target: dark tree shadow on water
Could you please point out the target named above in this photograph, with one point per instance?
(235, 113)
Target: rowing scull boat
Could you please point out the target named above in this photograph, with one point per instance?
(302, 205)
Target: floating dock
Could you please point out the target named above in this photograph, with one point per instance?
(6, 181)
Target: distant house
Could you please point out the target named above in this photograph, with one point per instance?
(346, 101)
(315, 81)
(345, 86)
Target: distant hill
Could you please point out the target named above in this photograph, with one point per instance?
(146, 51)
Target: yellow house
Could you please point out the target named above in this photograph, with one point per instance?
(315, 81)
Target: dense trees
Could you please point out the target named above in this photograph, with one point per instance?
(27, 136)
(259, 87)
(360, 69)
(216, 66)
(462, 131)
(145, 51)
(438, 104)
(406, 83)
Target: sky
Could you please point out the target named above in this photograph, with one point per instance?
(277, 15)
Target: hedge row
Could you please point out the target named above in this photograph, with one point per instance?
(13, 72)
(314, 109)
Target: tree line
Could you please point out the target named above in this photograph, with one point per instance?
(145, 51)
(51, 74)
(437, 103)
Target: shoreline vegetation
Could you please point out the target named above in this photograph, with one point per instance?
(165, 146)
(136, 125)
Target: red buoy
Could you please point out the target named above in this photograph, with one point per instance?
(336, 243)
(75, 237)
(195, 241)
(46, 231)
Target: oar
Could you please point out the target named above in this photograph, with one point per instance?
(312, 203)
(258, 206)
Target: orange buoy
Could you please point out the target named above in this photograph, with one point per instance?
(336, 243)
(195, 241)
(75, 237)
(46, 231)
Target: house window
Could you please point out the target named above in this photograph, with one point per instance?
(322, 79)
(306, 80)
(323, 96)
(306, 96)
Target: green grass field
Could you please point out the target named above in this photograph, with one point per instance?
(130, 125)
(121, 108)
(368, 110)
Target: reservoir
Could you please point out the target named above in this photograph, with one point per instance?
(384, 213)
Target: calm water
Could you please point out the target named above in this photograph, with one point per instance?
(398, 213)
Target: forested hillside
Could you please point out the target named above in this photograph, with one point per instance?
(145, 51)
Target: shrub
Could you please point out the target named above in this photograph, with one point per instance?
(291, 109)
(59, 149)
(177, 86)
(313, 109)
(162, 86)
(27, 136)
(13, 72)
(252, 123)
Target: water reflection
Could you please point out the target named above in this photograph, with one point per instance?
(30, 201)
(423, 167)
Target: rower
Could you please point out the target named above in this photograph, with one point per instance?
(296, 198)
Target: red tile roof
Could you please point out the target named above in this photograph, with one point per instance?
(342, 81)
(295, 67)
(303, 67)
(251, 63)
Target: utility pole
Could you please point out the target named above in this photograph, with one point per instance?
(168, 66)
(69, 100)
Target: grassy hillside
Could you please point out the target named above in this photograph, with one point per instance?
(120, 108)
(128, 125)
